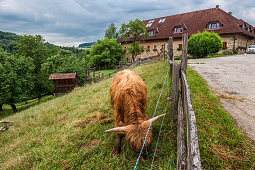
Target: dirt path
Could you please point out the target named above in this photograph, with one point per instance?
(233, 79)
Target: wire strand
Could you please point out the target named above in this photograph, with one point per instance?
(161, 125)
(151, 122)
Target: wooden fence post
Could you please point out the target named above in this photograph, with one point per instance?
(181, 154)
(193, 153)
(171, 55)
(164, 51)
(184, 60)
(175, 90)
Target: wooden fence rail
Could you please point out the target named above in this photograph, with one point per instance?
(182, 105)
(95, 77)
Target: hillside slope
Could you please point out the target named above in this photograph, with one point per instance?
(68, 132)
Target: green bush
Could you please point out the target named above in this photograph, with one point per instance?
(203, 44)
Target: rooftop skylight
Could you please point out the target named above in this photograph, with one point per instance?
(162, 20)
(150, 23)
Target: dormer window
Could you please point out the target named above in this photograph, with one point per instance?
(151, 32)
(149, 23)
(178, 29)
(162, 20)
(213, 26)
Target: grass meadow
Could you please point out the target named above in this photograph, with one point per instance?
(68, 132)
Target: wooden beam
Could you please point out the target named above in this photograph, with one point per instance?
(175, 90)
(184, 52)
(193, 153)
(181, 155)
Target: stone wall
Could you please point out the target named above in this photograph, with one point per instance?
(240, 41)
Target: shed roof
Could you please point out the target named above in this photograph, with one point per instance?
(194, 22)
(62, 76)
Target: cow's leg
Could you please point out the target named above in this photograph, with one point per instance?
(117, 146)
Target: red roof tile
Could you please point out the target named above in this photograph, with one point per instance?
(194, 22)
(62, 76)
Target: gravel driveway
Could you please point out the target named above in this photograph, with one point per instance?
(232, 78)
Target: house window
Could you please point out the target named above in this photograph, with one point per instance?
(149, 23)
(151, 32)
(213, 26)
(224, 45)
(178, 29)
(162, 20)
(155, 48)
(180, 47)
(148, 49)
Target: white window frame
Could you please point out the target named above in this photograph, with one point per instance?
(162, 20)
(149, 23)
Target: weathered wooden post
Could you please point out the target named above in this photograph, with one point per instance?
(184, 60)
(181, 154)
(175, 90)
(164, 51)
(171, 55)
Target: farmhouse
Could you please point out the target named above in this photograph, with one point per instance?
(235, 33)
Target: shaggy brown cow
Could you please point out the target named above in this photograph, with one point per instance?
(128, 98)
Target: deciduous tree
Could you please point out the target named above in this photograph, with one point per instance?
(34, 47)
(131, 32)
(16, 79)
(111, 32)
(105, 53)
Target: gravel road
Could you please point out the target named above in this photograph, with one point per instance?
(232, 78)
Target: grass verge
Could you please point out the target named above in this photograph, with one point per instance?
(222, 145)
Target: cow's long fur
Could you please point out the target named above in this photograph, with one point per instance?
(128, 98)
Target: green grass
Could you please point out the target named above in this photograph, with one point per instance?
(7, 110)
(52, 135)
(106, 72)
(68, 132)
(222, 145)
(209, 56)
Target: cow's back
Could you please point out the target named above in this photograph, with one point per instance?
(128, 94)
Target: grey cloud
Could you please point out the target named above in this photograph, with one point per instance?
(74, 21)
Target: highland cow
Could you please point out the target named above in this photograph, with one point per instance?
(128, 98)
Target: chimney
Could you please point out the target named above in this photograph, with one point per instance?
(217, 6)
(230, 13)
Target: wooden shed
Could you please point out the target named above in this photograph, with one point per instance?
(64, 83)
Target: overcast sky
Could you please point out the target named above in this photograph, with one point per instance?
(71, 22)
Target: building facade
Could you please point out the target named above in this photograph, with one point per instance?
(235, 33)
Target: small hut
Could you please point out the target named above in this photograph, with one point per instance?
(64, 83)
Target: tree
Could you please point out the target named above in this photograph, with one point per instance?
(111, 32)
(16, 79)
(203, 44)
(105, 53)
(133, 30)
(65, 62)
(34, 47)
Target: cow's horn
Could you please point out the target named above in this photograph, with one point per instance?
(117, 129)
(156, 118)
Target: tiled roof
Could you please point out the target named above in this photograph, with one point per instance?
(192, 22)
(62, 76)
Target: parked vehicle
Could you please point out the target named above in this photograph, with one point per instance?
(251, 49)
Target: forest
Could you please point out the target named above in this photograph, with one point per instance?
(27, 61)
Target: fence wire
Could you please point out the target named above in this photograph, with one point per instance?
(137, 161)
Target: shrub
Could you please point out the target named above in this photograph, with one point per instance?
(203, 44)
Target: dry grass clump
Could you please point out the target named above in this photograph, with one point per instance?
(100, 118)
